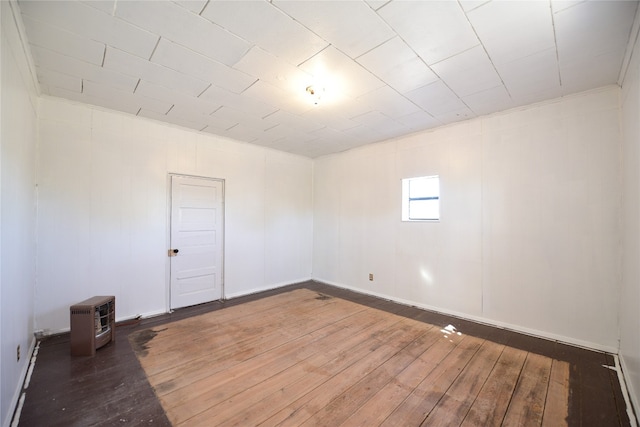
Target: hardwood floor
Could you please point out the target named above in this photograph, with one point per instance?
(312, 354)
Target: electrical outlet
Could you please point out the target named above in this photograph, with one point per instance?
(371, 277)
(18, 353)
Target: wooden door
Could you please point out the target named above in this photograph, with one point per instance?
(197, 236)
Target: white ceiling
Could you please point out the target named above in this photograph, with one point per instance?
(388, 68)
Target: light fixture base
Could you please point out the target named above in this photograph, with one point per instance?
(315, 93)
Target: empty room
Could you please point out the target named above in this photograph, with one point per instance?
(320, 213)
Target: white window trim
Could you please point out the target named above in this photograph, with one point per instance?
(406, 200)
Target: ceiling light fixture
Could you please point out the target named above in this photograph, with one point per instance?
(315, 92)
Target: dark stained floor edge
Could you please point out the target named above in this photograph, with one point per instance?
(63, 388)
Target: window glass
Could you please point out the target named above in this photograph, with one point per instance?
(424, 187)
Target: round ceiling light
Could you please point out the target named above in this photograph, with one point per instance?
(315, 92)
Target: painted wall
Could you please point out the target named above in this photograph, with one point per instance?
(529, 231)
(18, 138)
(103, 206)
(630, 293)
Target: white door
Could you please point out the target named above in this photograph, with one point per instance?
(197, 229)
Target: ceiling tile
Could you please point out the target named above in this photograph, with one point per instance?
(63, 81)
(528, 25)
(457, 115)
(170, 21)
(378, 128)
(331, 118)
(348, 108)
(64, 93)
(340, 74)
(242, 133)
(290, 143)
(121, 100)
(580, 31)
(436, 99)
(586, 73)
(185, 120)
(389, 102)
(194, 112)
(126, 63)
(264, 25)
(436, 30)
(406, 72)
(214, 130)
(194, 6)
(172, 118)
(50, 60)
(275, 133)
(489, 100)
(186, 61)
(190, 113)
(143, 112)
(468, 72)
(107, 6)
(558, 5)
(195, 105)
(329, 138)
(295, 122)
(92, 23)
(419, 121)
(113, 104)
(537, 73)
(334, 22)
(277, 72)
(377, 4)
(269, 94)
(64, 42)
(591, 29)
(469, 5)
(371, 119)
(247, 105)
(229, 114)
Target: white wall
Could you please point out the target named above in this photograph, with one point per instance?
(529, 231)
(630, 294)
(103, 187)
(18, 139)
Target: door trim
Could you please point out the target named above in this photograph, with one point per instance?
(168, 236)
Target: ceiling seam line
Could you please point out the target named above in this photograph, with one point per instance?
(555, 42)
(154, 48)
(204, 7)
(493, 65)
(633, 40)
(205, 89)
(420, 58)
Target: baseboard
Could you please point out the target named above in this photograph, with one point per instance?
(264, 289)
(628, 390)
(490, 322)
(16, 395)
(147, 315)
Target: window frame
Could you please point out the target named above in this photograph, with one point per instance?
(407, 199)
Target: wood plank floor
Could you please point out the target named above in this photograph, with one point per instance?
(313, 355)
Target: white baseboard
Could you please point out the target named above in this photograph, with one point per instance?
(490, 322)
(18, 391)
(265, 288)
(628, 391)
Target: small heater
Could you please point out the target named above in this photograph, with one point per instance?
(92, 325)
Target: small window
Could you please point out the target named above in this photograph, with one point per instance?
(421, 198)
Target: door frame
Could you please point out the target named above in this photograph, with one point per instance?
(168, 236)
